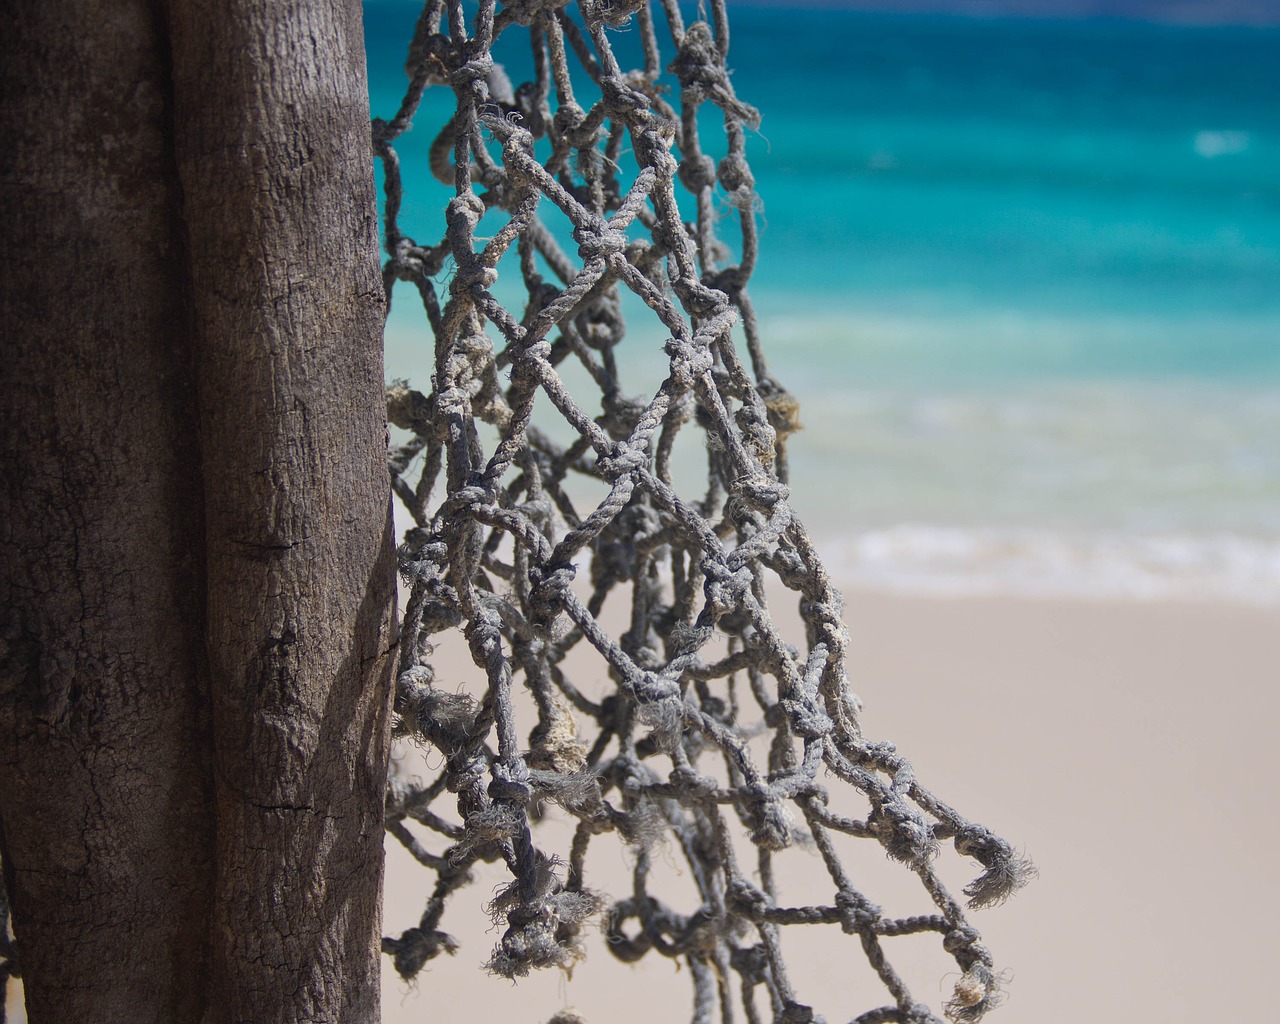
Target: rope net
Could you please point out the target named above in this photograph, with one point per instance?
(695, 723)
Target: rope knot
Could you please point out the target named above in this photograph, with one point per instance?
(428, 56)
(698, 299)
(697, 174)
(445, 719)
(621, 98)
(960, 941)
(526, 360)
(567, 119)
(620, 414)
(625, 947)
(415, 947)
(759, 436)
(474, 277)
(1006, 871)
(510, 786)
(618, 12)
(464, 209)
(517, 141)
(735, 173)
(411, 262)
(525, 12)
(530, 943)
(700, 68)
(546, 597)
(905, 835)
(745, 899)
(760, 491)
(975, 992)
(751, 962)
(688, 361)
(693, 782)
(798, 1013)
(731, 281)
(458, 504)
(600, 319)
(465, 776)
(599, 242)
(698, 61)
(626, 460)
(808, 719)
(771, 824)
(475, 66)
(857, 913)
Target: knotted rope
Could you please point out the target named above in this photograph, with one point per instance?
(702, 721)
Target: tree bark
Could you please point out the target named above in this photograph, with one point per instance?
(196, 559)
(106, 795)
(278, 187)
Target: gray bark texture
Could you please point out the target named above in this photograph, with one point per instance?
(196, 557)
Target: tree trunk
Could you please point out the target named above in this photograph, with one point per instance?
(106, 794)
(196, 558)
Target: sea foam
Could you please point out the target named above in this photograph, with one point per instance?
(954, 561)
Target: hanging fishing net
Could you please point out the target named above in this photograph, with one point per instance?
(623, 612)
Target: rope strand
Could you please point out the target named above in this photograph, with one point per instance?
(666, 745)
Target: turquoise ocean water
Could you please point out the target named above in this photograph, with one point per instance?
(1024, 277)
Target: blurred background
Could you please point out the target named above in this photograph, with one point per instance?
(1020, 262)
(1024, 275)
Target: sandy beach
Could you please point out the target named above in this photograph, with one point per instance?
(1126, 747)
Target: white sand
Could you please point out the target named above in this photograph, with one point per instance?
(1128, 748)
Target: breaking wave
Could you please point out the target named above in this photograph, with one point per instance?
(953, 561)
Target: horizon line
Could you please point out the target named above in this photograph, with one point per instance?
(1189, 13)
